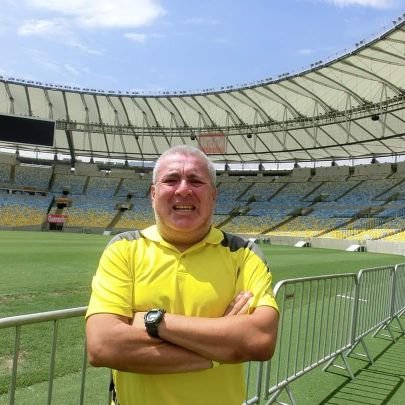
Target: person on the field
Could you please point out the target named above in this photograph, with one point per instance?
(178, 307)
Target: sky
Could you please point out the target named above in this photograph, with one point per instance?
(153, 46)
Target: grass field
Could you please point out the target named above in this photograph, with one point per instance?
(48, 271)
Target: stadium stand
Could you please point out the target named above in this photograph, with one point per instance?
(138, 187)
(35, 177)
(19, 211)
(68, 182)
(139, 217)
(5, 170)
(261, 190)
(334, 203)
(91, 211)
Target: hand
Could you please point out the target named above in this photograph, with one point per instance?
(240, 304)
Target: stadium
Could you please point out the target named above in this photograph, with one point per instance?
(311, 160)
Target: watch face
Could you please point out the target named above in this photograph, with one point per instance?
(152, 316)
(152, 319)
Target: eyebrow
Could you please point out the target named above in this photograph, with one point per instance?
(191, 176)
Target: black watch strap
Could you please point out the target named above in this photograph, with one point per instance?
(152, 330)
(152, 320)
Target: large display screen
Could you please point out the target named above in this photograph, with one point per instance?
(26, 130)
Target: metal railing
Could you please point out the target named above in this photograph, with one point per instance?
(315, 326)
(325, 318)
(321, 319)
(398, 302)
(374, 297)
(17, 322)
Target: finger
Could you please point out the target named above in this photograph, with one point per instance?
(229, 310)
(242, 304)
(245, 308)
(239, 303)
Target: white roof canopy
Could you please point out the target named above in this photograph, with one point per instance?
(350, 107)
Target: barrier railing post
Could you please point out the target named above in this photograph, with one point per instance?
(52, 362)
(257, 376)
(83, 378)
(312, 310)
(13, 383)
(374, 305)
(398, 302)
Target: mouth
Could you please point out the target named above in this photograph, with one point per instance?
(184, 208)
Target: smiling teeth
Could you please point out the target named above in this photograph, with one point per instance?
(184, 207)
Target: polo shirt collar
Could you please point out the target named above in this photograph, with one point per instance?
(214, 236)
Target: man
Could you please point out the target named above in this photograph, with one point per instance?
(176, 308)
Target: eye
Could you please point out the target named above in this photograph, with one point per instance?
(170, 182)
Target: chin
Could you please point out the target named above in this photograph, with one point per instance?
(184, 228)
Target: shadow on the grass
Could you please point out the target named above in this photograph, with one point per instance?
(377, 383)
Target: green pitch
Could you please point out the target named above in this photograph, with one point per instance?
(43, 271)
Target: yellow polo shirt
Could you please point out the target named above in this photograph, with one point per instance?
(139, 271)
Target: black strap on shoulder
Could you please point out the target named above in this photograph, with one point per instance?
(129, 235)
(113, 392)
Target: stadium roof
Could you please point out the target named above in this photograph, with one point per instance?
(349, 107)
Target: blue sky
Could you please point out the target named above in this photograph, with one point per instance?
(162, 45)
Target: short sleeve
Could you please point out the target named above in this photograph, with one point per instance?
(255, 276)
(112, 285)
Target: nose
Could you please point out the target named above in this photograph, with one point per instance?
(183, 189)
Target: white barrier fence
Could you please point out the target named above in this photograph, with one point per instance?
(322, 318)
(398, 302)
(54, 318)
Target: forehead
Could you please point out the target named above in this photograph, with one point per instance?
(183, 165)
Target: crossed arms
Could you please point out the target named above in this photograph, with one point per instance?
(186, 343)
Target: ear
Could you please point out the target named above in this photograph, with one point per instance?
(214, 193)
(152, 193)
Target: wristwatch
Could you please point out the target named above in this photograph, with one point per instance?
(152, 319)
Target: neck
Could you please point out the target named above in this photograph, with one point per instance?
(183, 241)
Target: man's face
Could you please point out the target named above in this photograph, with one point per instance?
(183, 198)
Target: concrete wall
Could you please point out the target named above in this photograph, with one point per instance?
(375, 246)
(331, 173)
(374, 171)
(395, 248)
(7, 158)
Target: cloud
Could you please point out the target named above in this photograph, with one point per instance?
(71, 69)
(84, 48)
(104, 13)
(42, 28)
(141, 38)
(55, 30)
(48, 65)
(365, 3)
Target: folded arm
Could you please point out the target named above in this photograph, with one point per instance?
(112, 341)
(228, 339)
(121, 343)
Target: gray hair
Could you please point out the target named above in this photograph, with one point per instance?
(186, 150)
